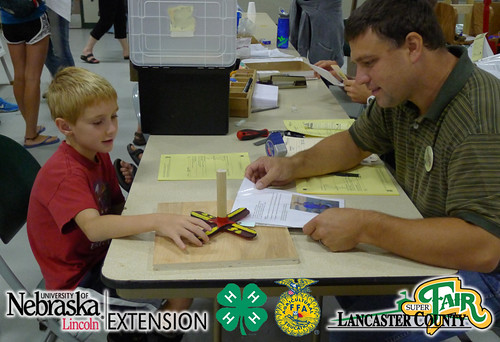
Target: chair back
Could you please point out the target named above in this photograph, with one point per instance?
(17, 174)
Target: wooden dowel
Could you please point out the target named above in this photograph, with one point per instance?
(221, 193)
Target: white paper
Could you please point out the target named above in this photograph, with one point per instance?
(61, 7)
(264, 96)
(281, 208)
(326, 75)
(295, 145)
(267, 60)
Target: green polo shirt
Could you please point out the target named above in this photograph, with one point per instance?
(461, 129)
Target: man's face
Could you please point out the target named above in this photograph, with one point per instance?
(385, 69)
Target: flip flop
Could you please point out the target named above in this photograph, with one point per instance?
(45, 142)
(134, 154)
(41, 128)
(89, 59)
(121, 179)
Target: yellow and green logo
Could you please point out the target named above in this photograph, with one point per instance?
(297, 312)
(444, 297)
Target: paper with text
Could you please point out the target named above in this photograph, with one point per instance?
(280, 207)
(326, 75)
(372, 180)
(202, 166)
(318, 128)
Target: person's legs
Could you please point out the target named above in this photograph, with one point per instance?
(59, 53)
(18, 56)
(35, 58)
(106, 18)
(120, 25)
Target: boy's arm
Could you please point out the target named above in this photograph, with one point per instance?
(176, 227)
(117, 209)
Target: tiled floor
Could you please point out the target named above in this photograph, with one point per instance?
(18, 253)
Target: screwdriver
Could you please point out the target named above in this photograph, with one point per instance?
(249, 134)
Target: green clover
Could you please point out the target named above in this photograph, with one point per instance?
(240, 310)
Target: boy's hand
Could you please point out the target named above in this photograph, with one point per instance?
(179, 227)
(127, 171)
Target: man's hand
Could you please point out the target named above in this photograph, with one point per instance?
(267, 171)
(339, 229)
(179, 227)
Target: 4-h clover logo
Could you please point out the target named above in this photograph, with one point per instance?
(242, 310)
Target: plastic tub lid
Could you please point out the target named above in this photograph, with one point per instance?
(182, 33)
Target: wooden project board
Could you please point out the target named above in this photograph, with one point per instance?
(271, 246)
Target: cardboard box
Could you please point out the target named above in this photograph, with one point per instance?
(240, 102)
(291, 68)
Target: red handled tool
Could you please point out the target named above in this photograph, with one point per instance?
(249, 134)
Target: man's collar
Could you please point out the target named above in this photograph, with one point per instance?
(453, 84)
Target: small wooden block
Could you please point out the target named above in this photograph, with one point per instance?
(272, 246)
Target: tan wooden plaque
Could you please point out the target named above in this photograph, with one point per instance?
(271, 246)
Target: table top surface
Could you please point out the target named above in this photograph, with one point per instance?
(129, 263)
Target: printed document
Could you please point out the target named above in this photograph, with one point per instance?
(361, 180)
(280, 207)
(202, 166)
(318, 128)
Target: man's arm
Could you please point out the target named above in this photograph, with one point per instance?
(176, 227)
(446, 242)
(335, 153)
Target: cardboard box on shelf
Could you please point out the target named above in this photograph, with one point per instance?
(290, 67)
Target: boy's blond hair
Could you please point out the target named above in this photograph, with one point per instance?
(74, 89)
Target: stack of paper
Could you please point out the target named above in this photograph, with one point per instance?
(264, 97)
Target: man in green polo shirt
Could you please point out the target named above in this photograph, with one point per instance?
(441, 115)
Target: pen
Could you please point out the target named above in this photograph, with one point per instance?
(345, 174)
(247, 86)
(293, 134)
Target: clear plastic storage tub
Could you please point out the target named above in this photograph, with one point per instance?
(182, 33)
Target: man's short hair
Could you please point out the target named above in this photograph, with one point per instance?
(75, 89)
(394, 19)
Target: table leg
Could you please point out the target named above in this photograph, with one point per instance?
(316, 335)
(217, 328)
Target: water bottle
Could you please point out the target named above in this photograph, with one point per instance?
(283, 30)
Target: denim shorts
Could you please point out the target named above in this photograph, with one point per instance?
(29, 33)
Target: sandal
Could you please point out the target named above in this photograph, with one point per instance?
(139, 139)
(121, 178)
(134, 153)
(89, 59)
(44, 142)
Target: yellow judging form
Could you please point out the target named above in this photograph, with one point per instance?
(318, 128)
(202, 166)
(361, 180)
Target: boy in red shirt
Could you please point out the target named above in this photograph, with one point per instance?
(76, 201)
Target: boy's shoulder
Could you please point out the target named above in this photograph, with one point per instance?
(62, 166)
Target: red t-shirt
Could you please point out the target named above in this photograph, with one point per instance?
(67, 184)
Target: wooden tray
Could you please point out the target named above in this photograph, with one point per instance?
(240, 103)
(271, 246)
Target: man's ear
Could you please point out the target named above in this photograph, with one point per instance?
(63, 126)
(415, 45)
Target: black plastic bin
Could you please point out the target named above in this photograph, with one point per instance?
(184, 100)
